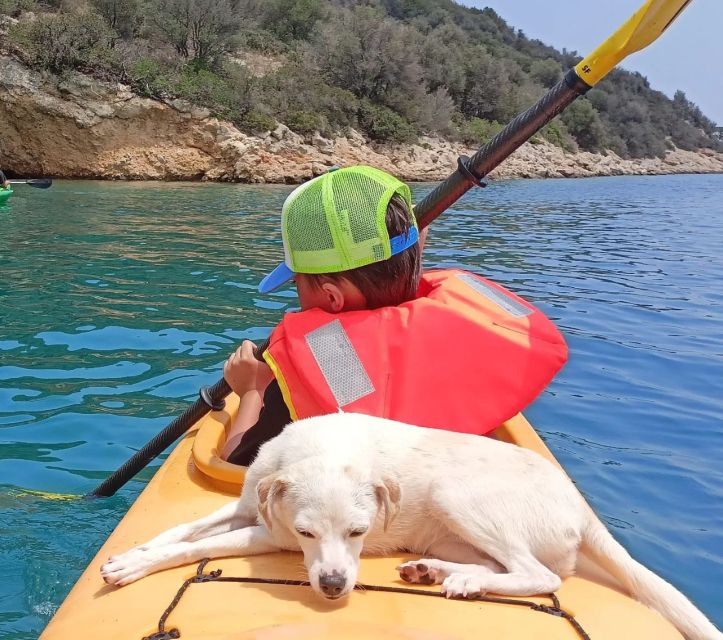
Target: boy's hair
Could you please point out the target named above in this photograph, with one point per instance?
(388, 282)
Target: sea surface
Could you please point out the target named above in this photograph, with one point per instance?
(119, 300)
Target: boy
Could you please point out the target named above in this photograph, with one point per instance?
(369, 286)
(373, 335)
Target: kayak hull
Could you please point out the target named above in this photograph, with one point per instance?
(5, 194)
(192, 482)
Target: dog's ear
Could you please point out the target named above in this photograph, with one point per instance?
(269, 489)
(389, 496)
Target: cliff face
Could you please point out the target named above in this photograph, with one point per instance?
(78, 127)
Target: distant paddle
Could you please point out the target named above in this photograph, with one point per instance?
(642, 28)
(38, 183)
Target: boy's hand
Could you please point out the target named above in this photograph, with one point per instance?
(244, 372)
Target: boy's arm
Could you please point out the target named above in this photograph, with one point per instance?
(248, 378)
(249, 410)
(272, 420)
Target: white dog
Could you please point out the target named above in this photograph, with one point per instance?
(489, 515)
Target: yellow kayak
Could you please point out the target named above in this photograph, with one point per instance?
(194, 481)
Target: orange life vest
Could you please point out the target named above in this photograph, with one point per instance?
(465, 355)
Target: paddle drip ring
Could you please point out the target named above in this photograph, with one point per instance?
(463, 168)
(206, 397)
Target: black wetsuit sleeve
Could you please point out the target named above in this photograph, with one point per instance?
(273, 418)
(2, 178)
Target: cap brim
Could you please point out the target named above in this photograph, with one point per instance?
(278, 277)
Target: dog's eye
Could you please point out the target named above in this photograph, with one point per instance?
(357, 532)
(305, 533)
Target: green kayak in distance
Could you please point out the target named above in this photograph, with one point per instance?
(5, 194)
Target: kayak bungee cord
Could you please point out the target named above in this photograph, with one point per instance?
(215, 576)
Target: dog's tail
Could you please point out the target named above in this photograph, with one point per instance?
(644, 585)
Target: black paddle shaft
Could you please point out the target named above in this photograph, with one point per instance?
(514, 135)
(469, 173)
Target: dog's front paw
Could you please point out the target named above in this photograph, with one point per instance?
(463, 585)
(421, 572)
(128, 567)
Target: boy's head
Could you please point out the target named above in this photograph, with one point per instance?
(350, 230)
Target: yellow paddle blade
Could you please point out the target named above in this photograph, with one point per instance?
(643, 27)
(45, 495)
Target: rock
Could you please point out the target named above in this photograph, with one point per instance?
(282, 132)
(318, 168)
(83, 128)
(322, 144)
(356, 139)
(185, 107)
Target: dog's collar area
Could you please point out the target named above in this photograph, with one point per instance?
(215, 576)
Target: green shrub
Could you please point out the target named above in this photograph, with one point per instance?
(228, 94)
(202, 87)
(294, 89)
(263, 41)
(303, 121)
(556, 133)
(384, 125)
(478, 130)
(16, 7)
(58, 42)
(149, 78)
(256, 122)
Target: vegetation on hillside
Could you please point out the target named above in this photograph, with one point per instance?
(392, 68)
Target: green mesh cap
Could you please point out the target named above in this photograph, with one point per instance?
(337, 222)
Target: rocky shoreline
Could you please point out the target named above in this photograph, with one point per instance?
(79, 127)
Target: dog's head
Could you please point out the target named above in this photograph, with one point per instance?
(330, 511)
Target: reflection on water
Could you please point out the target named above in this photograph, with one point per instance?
(120, 300)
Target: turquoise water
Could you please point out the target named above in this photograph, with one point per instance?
(119, 301)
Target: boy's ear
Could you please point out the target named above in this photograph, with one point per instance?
(334, 296)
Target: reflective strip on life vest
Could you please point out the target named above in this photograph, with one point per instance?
(339, 363)
(512, 306)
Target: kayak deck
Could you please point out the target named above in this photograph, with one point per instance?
(180, 492)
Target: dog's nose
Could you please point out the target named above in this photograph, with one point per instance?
(332, 583)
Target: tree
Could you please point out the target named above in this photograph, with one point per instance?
(293, 19)
(486, 86)
(125, 17)
(443, 60)
(547, 72)
(377, 59)
(691, 113)
(583, 123)
(200, 30)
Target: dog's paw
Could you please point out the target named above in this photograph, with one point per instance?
(421, 572)
(128, 567)
(463, 585)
